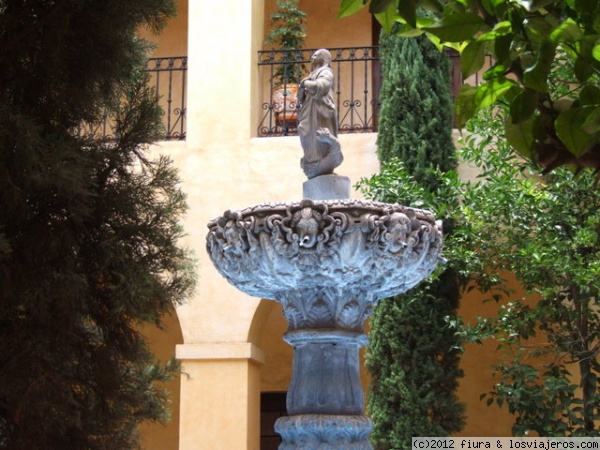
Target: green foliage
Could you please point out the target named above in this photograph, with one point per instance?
(549, 239)
(413, 362)
(401, 402)
(416, 110)
(287, 33)
(89, 231)
(524, 39)
(413, 357)
(546, 232)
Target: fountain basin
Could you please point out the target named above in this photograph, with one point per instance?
(270, 249)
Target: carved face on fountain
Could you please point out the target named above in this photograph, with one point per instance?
(307, 227)
(232, 234)
(399, 227)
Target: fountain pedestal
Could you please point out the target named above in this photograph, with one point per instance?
(325, 398)
(327, 263)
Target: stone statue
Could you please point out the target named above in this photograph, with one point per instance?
(329, 157)
(317, 121)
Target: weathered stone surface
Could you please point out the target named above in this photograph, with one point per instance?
(327, 262)
(327, 187)
(317, 121)
(320, 432)
(326, 376)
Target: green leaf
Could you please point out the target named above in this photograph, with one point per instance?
(523, 106)
(536, 76)
(586, 62)
(589, 95)
(591, 125)
(488, 93)
(472, 58)
(596, 52)
(502, 47)
(568, 32)
(456, 27)
(501, 29)
(464, 104)
(496, 71)
(583, 69)
(436, 41)
(520, 136)
(488, 6)
(405, 30)
(568, 129)
(538, 28)
(349, 7)
(379, 6)
(388, 18)
(408, 11)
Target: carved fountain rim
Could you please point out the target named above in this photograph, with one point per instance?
(347, 205)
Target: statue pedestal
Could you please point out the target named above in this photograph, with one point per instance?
(327, 263)
(327, 187)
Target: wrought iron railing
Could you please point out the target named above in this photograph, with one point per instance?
(357, 83)
(356, 72)
(168, 77)
(170, 83)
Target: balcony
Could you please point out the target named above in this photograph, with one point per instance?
(168, 77)
(356, 92)
(357, 83)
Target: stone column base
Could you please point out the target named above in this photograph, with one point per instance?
(324, 432)
(327, 187)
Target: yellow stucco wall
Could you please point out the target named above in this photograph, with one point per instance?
(156, 436)
(222, 396)
(172, 41)
(324, 29)
(477, 362)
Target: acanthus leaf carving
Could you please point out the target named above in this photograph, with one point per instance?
(368, 246)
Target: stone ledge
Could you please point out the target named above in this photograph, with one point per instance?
(220, 351)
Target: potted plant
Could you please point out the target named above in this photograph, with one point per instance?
(287, 35)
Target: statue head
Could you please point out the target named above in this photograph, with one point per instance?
(321, 57)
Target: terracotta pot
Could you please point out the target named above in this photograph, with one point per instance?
(285, 102)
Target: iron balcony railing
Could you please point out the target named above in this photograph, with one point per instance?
(356, 73)
(168, 77)
(357, 84)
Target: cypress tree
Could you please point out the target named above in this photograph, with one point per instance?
(412, 356)
(88, 229)
(415, 119)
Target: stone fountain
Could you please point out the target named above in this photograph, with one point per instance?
(327, 259)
